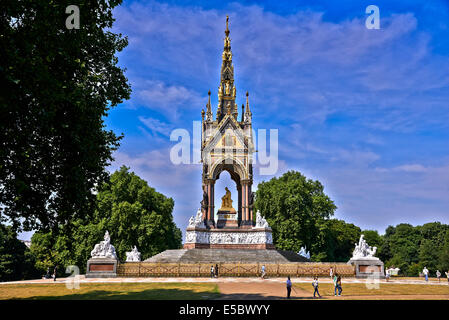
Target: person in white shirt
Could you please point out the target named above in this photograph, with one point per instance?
(263, 272)
(315, 286)
(426, 273)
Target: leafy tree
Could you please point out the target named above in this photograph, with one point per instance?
(133, 213)
(341, 237)
(295, 208)
(16, 261)
(373, 238)
(443, 259)
(57, 87)
(401, 246)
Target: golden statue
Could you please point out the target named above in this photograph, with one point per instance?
(226, 202)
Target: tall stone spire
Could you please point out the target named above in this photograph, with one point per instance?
(227, 90)
(209, 115)
(248, 114)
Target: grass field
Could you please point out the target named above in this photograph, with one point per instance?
(208, 291)
(119, 291)
(385, 289)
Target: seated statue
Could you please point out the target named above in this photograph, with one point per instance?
(226, 202)
(104, 249)
(260, 221)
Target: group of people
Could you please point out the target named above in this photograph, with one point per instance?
(426, 272)
(336, 278)
(49, 276)
(214, 271)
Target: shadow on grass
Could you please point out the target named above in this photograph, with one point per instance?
(148, 294)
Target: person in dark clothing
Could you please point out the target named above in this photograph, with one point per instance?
(340, 289)
(289, 287)
(216, 271)
(55, 272)
(315, 286)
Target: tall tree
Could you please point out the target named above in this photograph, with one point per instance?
(16, 261)
(57, 86)
(134, 214)
(294, 205)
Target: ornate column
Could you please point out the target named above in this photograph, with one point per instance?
(245, 203)
(210, 222)
(239, 209)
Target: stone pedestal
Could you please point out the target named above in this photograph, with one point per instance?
(368, 268)
(227, 219)
(229, 238)
(101, 268)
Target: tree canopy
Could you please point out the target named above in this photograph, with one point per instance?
(295, 207)
(16, 260)
(134, 213)
(58, 85)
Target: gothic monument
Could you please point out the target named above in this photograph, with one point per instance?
(227, 145)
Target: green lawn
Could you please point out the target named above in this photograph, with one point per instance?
(102, 291)
(388, 289)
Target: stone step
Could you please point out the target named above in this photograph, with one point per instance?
(226, 255)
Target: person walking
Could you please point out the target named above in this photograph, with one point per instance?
(331, 273)
(335, 284)
(387, 275)
(212, 271)
(425, 271)
(438, 273)
(216, 270)
(315, 287)
(340, 289)
(447, 275)
(263, 272)
(55, 272)
(289, 287)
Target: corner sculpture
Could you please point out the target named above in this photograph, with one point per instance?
(104, 249)
(363, 251)
(133, 255)
(103, 261)
(365, 263)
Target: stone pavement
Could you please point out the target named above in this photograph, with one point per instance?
(83, 279)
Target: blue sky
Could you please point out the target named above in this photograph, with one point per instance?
(366, 112)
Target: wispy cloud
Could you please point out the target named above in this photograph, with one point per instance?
(364, 111)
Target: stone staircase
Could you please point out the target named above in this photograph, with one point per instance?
(226, 255)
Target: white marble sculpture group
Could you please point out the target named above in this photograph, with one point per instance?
(133, 255)
(104, 249)
(261, 236)
(304, 253)
(363, 250)
(229, 237)
(196, 221)
(260, 221)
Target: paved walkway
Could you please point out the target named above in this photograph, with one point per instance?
(242, 280)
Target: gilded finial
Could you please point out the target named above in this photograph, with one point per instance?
(227, 26)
